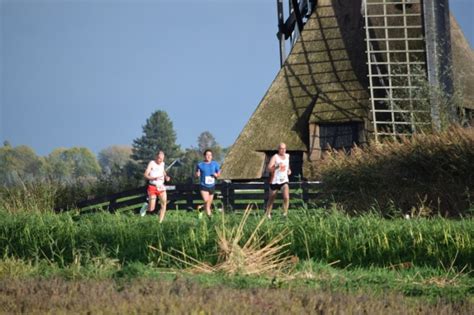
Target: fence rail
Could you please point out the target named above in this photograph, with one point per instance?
(228, 196)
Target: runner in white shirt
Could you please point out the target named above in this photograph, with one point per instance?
(279, 170)
(156, 175)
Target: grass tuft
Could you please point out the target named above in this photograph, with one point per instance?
(236, 256)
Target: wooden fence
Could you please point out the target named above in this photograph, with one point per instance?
(228, 196)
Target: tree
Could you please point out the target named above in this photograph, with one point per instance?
(188, 162)
(119, 171)
(207, 141)
(20, 164)
(193, 155)
(114, 158)
(58, 168)
(84, 161)
(158, 134)
(71, 165)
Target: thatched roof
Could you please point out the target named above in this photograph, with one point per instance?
(323, 80)
(318, 83)
(340, 72)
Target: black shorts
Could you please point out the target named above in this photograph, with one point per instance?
(209, 190)
(277, 186)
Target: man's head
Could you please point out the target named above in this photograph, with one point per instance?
(207, 155)
(281, 148)
(160, 157)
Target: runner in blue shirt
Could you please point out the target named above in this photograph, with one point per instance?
(207, 171)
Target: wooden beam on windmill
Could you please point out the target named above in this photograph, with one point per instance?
(281, 31)
(298, 16)
(438, 57)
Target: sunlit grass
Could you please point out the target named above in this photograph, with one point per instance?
(328, 236)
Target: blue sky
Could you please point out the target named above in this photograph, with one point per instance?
(89, 73)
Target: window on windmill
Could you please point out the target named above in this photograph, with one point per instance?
(407, 3)
(339, 136)
(296, 164)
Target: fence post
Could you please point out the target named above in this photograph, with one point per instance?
(231, 196)
(189, 198)
(112, 205)
(304, 186)
(225, 195)
(266, 188)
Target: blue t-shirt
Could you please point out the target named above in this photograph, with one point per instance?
(208, 170)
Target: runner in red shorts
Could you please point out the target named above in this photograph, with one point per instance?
(156, 175)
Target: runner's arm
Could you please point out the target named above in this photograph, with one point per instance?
(198, 171)
(147, 172)
(167, 178)
(271, 165)
(218, 171)
(289, 170)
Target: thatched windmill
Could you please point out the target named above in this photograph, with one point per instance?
(354, 74)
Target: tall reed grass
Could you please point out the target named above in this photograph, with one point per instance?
(46, 194)
(425, 174)
(36, 197)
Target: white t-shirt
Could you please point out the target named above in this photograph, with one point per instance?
(281, 169)
(157, 170)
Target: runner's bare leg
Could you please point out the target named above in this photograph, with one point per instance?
(209, 204)
(163, 200)
(206, 197)
(271, 198)
(286, 199)
(151, 203)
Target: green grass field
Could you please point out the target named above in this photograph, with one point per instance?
(322, 235)
(424, 263)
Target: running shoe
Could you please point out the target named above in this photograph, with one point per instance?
(143, 209)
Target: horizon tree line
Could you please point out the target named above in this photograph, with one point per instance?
(115, 168)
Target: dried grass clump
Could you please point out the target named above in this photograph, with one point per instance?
(425, 174)
(236, 256)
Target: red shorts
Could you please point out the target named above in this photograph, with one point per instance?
(153, 191)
